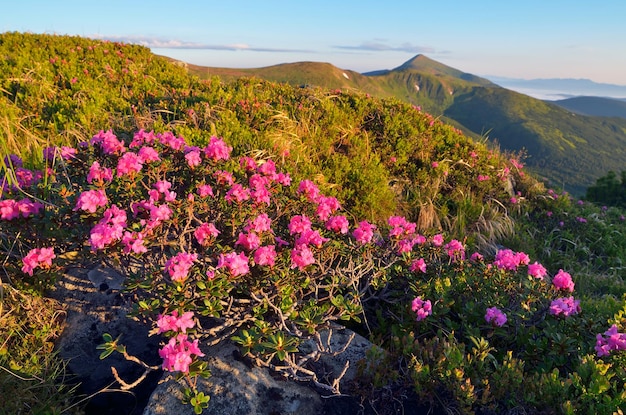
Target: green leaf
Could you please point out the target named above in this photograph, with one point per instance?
(106, 354)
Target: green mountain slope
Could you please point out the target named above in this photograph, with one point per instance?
(568, 151)
(595, 106)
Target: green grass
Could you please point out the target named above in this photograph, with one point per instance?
(32, 377)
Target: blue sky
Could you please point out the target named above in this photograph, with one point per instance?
(519, 39)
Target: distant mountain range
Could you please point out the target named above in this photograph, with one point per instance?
(560, 88)
(566, 148)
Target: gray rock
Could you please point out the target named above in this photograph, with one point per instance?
(94, 307)
(236, 389)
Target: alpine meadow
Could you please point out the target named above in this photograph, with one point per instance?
(436, 214)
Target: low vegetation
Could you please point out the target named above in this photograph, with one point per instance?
(268, 213)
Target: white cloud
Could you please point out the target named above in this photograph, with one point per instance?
(377, 46)
(160, 43)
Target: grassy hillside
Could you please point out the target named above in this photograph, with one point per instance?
(566, 151)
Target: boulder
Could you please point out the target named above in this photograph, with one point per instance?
(95, 306)
(237, 387)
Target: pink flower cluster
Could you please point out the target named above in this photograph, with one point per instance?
(364, 232)
(108, 142)
(109, 229)
(565, 307)
(495, 316)
(456, 250)
(563, 281)
(37, 257)
(12, 209)
(178, 266)
(422, 308)
(612, 340)
(172, 322)
(91, 200)
(99, 174)
(236, 263)
(177, 353)
(418, 265)
(205, 232)
(508, 260)
(537, 270)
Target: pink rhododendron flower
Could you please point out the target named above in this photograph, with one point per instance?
(177, 353)
(37, 257)
(283, 178)
(204, 190)
(508, 260)
(261, 223)
(169, 139)
(133, 242)
(309, 189)
(364, 232)
(422, 308)
(237, 264)
(11, 209)
(537, 270)
(217, 149)
(326, 206)
(163, 187)
(108, 142)
(338, 224)
(437, 240)
(249, 241)
(179, 265)
(476, 257)
(565, 306)
(129, 164)
(91, 200)
(268, 168)
(148, 154)
(482, 177)
(400, 227)
(265, 256)
(159, 214)
(205, 232)
(99, 174)
(610, 341)
(142, 137)
(299, 224)
(405, 245)
(247, 163)
(563, 281)
(456, 250)
(172, 322)
(237, 193)
(418, 265)
(301, 257)
(311, 237)
(193, 158)
(224, 178)
(495, 316)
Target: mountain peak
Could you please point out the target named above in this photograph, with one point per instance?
(422, 63)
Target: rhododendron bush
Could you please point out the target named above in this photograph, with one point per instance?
(218, 246)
